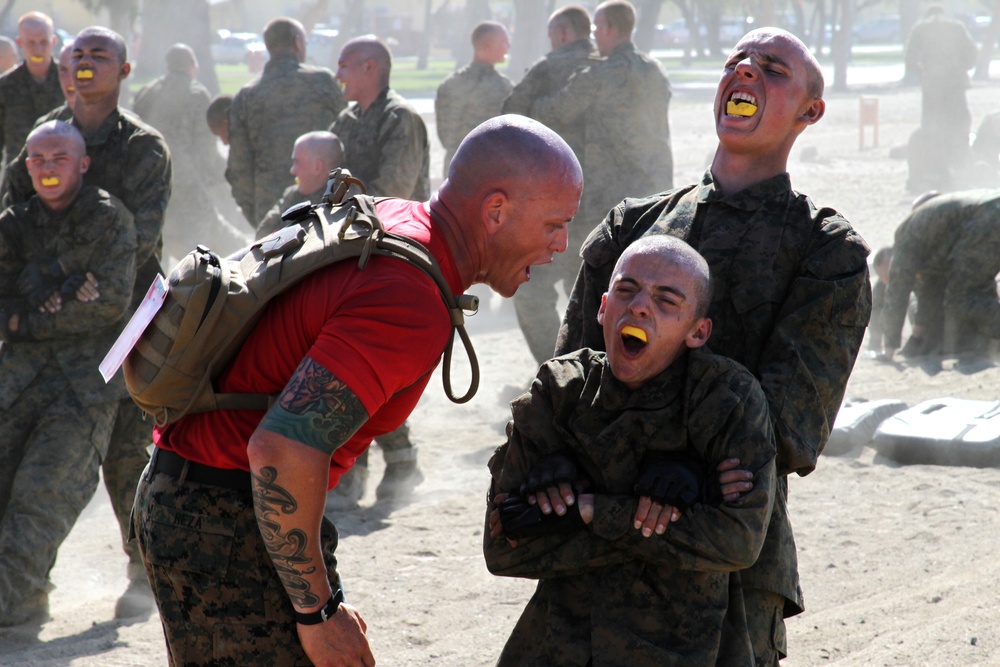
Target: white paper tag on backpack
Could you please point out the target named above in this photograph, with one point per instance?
(144, 314)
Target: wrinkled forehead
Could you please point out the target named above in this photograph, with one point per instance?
(95, 43)
(34, 28)
(55, 142)
(771, 43)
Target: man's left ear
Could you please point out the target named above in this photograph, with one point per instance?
(814, 112)
(699, 334)
(123, 73)
(84, 164)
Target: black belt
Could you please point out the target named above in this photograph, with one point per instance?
(178, 467)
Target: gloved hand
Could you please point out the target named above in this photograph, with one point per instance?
(551, 471)
(37, 282)
(669, 479)
(519, 519)
(74, 282)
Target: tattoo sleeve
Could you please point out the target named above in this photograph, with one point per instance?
(316, 409)
(288, 550)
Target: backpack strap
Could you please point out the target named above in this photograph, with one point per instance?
(388, 244)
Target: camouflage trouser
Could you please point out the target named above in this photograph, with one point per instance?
(126, 459)
(48, 473)
(766, 623)
(536, 301)
(220, 599)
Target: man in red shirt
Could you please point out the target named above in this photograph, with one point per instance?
(245, 577)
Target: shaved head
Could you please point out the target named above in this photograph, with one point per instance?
(114, 40)
(323, 146)
(64, 131)
(369, 47)
(508, 151)
(573, 18)
(36, 20)
(815, 85)
(672, 250)
(180, 58)
(280, 35)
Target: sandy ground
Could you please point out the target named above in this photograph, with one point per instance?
(898, 563)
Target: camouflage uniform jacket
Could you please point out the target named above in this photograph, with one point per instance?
(289, 198)
(547, 76)
(95, 234)
(791, 301)
(623, 102)
(175, 105)
(957, 228)
(465, 99)
(22, 101)
(268, 114)
(131, 161)
(386, 147)
(606, 593)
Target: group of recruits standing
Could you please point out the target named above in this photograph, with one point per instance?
(229, 513)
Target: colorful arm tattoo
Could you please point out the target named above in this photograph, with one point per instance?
(316, 409)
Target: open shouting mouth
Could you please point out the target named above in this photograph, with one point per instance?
(633, 338)
(741, 104)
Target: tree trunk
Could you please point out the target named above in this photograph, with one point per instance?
(530, 39)
(645, 25)
(842, 44)
(428, 37)
(167, 22)
(5, 12)
(989, 43)
(475, 11)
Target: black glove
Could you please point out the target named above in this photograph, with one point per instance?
(669, 480)
(550, 471)
(73, 283)
(519, 519)
(38, 282)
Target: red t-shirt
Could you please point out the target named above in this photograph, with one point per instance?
(380, 330)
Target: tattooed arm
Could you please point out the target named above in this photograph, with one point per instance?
(290, 461)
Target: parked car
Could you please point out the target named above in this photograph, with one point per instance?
(235, 47)
(321, 48)
(882, 30)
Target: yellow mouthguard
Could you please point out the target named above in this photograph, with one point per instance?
(635, 332)
(85, 74)
(297, 181)
(740, 108)
(50, 182)
(37, 59)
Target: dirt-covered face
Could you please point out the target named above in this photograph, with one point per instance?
(650, 317)
(56, 167)
(766, 94)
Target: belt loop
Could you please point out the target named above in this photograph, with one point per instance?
(184, 473)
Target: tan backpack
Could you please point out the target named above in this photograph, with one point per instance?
(213, 303)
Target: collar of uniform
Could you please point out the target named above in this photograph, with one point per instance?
(748, 199)
(281, 63)
(479, 67)
(378, 104)
(622, 49)
(104, 131)
(657, 393)
(583, 44)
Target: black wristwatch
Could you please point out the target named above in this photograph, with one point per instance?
(323, 613)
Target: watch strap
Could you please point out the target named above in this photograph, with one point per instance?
(324, 613)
